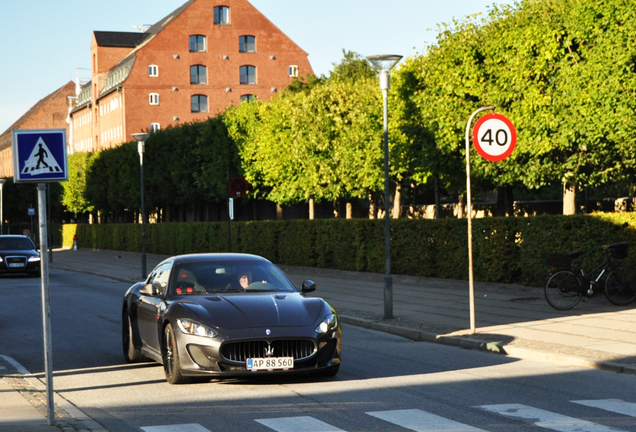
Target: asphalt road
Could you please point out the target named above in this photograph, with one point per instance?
(386, 383)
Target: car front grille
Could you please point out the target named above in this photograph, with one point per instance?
(299, 349)
(16, 261)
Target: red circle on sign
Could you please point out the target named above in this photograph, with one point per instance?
(494, 137)
(238, 186)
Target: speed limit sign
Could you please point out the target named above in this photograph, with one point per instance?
(494, 137)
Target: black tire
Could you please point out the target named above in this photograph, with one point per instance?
(131, 353)
(171, 365)
(620, 286)
(562, 290)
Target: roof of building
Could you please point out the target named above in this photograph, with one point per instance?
(5, 138)
(119, 39)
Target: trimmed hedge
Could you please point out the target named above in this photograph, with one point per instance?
(506, 250)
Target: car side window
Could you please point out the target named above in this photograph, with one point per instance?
(160, 277)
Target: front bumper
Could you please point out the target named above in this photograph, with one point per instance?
(200, 356)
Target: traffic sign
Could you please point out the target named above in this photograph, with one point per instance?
(39, 155)
(494, 137)
(238, 186)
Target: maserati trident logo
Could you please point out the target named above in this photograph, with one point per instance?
(269, 351)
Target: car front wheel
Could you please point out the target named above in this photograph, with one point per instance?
(171, 365)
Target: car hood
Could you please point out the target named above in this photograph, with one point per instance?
(18, 252)
(258, 310)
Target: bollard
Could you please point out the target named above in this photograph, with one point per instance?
(75, 242)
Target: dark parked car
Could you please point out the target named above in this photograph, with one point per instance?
(18, 254)
(211, 315)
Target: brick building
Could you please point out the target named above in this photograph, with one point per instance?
(194, 63)
(49, 113)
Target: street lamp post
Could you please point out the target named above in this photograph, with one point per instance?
(141, 147)
(2, 182)
(384, 63)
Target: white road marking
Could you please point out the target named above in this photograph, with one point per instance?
(614, 405)
(298, 424)
(192, 427)
(419, 420)
(547, 419)
(21, 369)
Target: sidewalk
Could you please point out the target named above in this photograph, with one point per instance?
(510, 319)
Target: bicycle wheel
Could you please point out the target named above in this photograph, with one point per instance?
(620, 286)
(562, 290)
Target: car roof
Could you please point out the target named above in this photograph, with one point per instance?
(218, 257)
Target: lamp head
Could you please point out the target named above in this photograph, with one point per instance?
(384, 61)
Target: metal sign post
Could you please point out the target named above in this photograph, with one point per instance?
(494, 137)
(469, 209)
(39, 156)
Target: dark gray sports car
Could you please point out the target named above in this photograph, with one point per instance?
(207, 315)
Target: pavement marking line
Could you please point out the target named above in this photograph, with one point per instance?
(420, 421)
(298, 424)
(21, 369)
(613, 405)
(547, 419)
(191, 427)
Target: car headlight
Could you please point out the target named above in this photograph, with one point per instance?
(195, 328)
(34, 259)
(328, 324)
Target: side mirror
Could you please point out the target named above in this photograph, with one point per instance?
(148, 290)
(308, 286)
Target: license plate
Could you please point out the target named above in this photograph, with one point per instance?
(269, 363)
(16, 264)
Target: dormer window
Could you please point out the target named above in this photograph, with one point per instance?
(221, 15)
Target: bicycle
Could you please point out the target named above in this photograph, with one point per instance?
(565, 287)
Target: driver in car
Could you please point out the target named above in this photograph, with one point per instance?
(245, 279)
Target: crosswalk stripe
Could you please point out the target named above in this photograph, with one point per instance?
(192, 427)
(614, 405)
(419, 420)
(547, 419)
(298, 424)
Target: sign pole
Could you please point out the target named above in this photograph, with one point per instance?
(39, 156)
(46, 303)
(469, 208)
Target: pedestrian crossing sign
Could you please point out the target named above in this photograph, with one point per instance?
(39, 155)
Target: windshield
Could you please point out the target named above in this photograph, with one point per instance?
(232, 277)
(16, 243)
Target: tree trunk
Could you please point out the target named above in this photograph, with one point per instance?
(279, 212)
(372, 206)
(460, 207)
(438, 204)
(397, 200)
(569, 199)
(349, 210)
(336, 209)
(312, 209)
(505, 202)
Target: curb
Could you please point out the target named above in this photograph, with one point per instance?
(493, 347)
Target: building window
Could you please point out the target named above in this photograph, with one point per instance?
(248, 98)
(155, 127)
(293, 71)
(248, 74)
(199, 103)
(197, 74)
(153, 70)
(247, 44)
(153, 98)
(221, 15)
(197, 43)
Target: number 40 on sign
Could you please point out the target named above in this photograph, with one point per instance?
(494, 137)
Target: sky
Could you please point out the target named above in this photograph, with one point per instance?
(45, 43)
